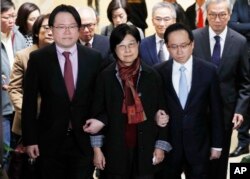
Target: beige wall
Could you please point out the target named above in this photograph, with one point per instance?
(48, 5)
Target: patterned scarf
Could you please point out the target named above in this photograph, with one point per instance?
(132, 105)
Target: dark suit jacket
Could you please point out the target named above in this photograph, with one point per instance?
(191, 132)
(233, 71)
(240, 18)
(191, 16)
(148, 51)
(107, 107)
(101, 44)
(44, 77)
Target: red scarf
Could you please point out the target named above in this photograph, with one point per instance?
(132, 105)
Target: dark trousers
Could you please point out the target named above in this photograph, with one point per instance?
(68, 163)
(131, 170)
(218, 168)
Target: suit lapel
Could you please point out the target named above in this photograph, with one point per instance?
(152, 50)
(226, 50)
(205, 44)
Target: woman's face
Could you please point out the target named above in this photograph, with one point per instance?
(31, 19)
(45, 34)
(128, 50)
(119, 16)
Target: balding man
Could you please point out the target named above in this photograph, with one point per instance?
(88, 37)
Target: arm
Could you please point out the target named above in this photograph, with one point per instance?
(16, 83)
(235, 19)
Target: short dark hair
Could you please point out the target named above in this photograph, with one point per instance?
(22, 15)
(176, 27)
(119, 33)
(116, 4)
(36, 27)
(64, 8)
(6, 5)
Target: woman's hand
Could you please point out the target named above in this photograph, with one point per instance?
(161, 118)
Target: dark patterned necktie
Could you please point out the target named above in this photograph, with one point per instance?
(68, 75)
(88, 45)
(216, 51)
(161, 53)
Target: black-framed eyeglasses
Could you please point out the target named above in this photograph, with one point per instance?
(89, 26)
(182, 46)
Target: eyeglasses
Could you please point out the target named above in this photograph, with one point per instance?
(164, 19)
(123, 47)
(46, 28)
(7, 18)
(89, 26)
(221, 16)
(183, 46)
(62, 28)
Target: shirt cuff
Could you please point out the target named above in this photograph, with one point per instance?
(218, 149)
(161, 144)
(96, 141)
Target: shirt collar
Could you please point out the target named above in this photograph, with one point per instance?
(187, 65)
(84, 43)
(72, 50)
(157, 38)
(222, 34)
(203, 7)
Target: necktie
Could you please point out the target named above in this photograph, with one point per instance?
(88, 45)
(216, 51)
(68, 75)
(200, 18)
(183, 87)
(161, 53)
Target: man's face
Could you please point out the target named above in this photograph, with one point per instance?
(8, 19)
(162, 18)
(65, 30)
(218, 16)
(179, 46)
(87, 29)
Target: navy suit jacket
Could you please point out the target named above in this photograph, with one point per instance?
(191, 130)
(233, 71)
(240, 18)
(44, 77)
(101, 44)
(148, 51)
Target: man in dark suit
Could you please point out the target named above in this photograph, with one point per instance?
(190, 94)
(63, 74)
(88, 37)
(240, 21)
(196, 14)
(227, 49)
(152, 48)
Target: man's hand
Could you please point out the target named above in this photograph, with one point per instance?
(93, 126)
(237, 120)
(32, 151)
(161, 118)
(158, 156)
(99, 159)
(215, 154)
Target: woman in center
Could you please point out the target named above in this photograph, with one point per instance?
(128, 100)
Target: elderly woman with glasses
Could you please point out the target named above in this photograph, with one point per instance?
(128, 98)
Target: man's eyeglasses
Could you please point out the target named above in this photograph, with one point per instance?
(7, 18)
(46, 28)
(63, 28)
(183, 46)
(164, 19)
(221, 16)
(89, 26)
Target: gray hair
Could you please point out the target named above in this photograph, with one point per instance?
(229, 7)
(164, 5)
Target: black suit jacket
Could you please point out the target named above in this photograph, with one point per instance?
(44, 77)
(191, 16)
(191, 132)
(233, 71)
(107, 107)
